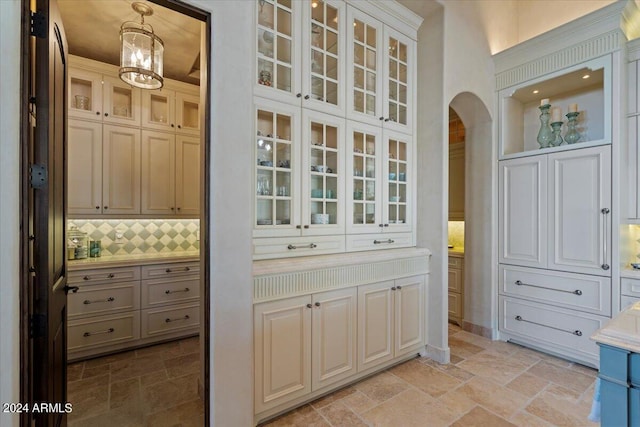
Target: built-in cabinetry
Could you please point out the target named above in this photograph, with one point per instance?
(456, 287)
(347, 319)
(334, 127)
(456, 181)
(115, 308)
(131, 153)
(557, 205)
(633, 127)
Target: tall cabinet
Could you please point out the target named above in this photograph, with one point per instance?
(558, 206)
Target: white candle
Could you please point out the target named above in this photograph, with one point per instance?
(556, 114)
(544, 101)
(573, 108)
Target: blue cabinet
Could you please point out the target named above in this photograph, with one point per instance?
(620, 387)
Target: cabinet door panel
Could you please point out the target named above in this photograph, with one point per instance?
(187, 175)
(409, 314)
(121, 102)
(522, 201)
(158, 110)
(334, 336)
(399, 81)
(84, 176)
(85, 94)
(579, 232)
(282, 345)
(121, 170)
(375, 324)
(187, 114)
(158, 173)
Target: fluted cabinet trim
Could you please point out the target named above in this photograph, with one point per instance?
(276, 286)
(575, 54)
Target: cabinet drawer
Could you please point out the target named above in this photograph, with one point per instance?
(105, 275)
(630, 287)
(575, 291)
(455, 305)
(103, 299)
(164, 320)
(368, 242)
(170, 291)
(282, 247)
(455, 262)
(103, 330)
(555, 328)
(626, 301)
(170, 270)
(455, 280)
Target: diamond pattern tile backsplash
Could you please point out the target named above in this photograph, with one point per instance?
(147, 236)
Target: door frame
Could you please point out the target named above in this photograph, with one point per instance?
(26, 295)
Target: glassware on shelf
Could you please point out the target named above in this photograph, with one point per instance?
(572, 136)
(545, 135)
(557, 140)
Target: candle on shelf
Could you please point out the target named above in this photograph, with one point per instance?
(556, 115)
(544, 101)
(573, 108)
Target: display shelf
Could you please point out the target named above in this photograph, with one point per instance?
(586, 86)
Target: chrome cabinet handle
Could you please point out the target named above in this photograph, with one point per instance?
(377, 242)
(110, 299)
(577, 332)
(605, 212)
(168, 320)
(520, 283)
(174, 292)
(310, 246)
(89, 334)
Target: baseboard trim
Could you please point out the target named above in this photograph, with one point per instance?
(477, 329)
(440, 355)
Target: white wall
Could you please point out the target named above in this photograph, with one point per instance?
(9, 207)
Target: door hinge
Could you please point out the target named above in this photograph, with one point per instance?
(38, 324)
(38, 25)
(38, 176)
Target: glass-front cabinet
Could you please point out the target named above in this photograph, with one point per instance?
(299, 172)
(398, 107)
(171, 111)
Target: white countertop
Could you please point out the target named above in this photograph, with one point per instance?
(623, 330)
(456, 252)
(132, 259)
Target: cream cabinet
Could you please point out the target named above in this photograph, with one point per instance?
(390, 320)
(456, 181)
(171, 111)
(303, 344)
(555, 211)
(170, 180)
(103, 169)
(456, 288)
(101, 97)
(117, 308)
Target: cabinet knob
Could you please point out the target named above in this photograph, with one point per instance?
(386, 225)
(317, 304)
(111, 275)
(97, 207)
(398, 287)
(172, 125)
(86, 278)
(178, 208)
(380, 225)
(106, 114)
(106, 207)
(298, 95)
(381, 118)
(168, 270)
(179, 126)
(97, 113)
(306, 226)
(306, 97)
(298, 227)
(393, 288)
(172, 208)
(387, 119)
(309, 306)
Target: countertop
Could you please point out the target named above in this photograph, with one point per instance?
(623, 331)
(457, 251)
(132, 259)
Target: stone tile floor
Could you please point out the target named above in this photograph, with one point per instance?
(154, 386)
(487, 384)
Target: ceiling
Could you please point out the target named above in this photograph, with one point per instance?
(92, 28)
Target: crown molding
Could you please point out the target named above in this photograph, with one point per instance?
(392, 13)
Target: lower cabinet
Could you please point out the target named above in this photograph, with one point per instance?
(629, 292)
(456, 288)
(308, 343)
(124, 307)
(619, 387)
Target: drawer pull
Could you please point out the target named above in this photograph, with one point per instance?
(186, 317)
(89, 334)
(377, 242)
(110, 299)
(168, 291)
(576, 332)
(310, 246)
(86, 278)
(111, 275)
(168, 270)
(576, 292)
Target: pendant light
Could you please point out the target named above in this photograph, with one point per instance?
(141, 51)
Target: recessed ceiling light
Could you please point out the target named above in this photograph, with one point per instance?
(536, 91)
(586, 76)
(314, 4)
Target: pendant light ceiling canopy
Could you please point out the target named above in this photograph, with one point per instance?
(141, 51)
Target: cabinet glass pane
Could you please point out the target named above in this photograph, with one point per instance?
(398, 80)
(159, 109)
(275, 44)
(81, 94)
(364, 178)
(323, 158)
(364, 68)
(122, 102)
(324, 52)
(190, 115)
(397, 181)
(273, 169)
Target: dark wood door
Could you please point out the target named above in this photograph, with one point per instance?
(47, 214)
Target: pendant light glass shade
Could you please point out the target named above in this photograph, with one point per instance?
(141, 52)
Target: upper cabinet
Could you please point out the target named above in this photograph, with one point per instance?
(567, 109)
(171, 111)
